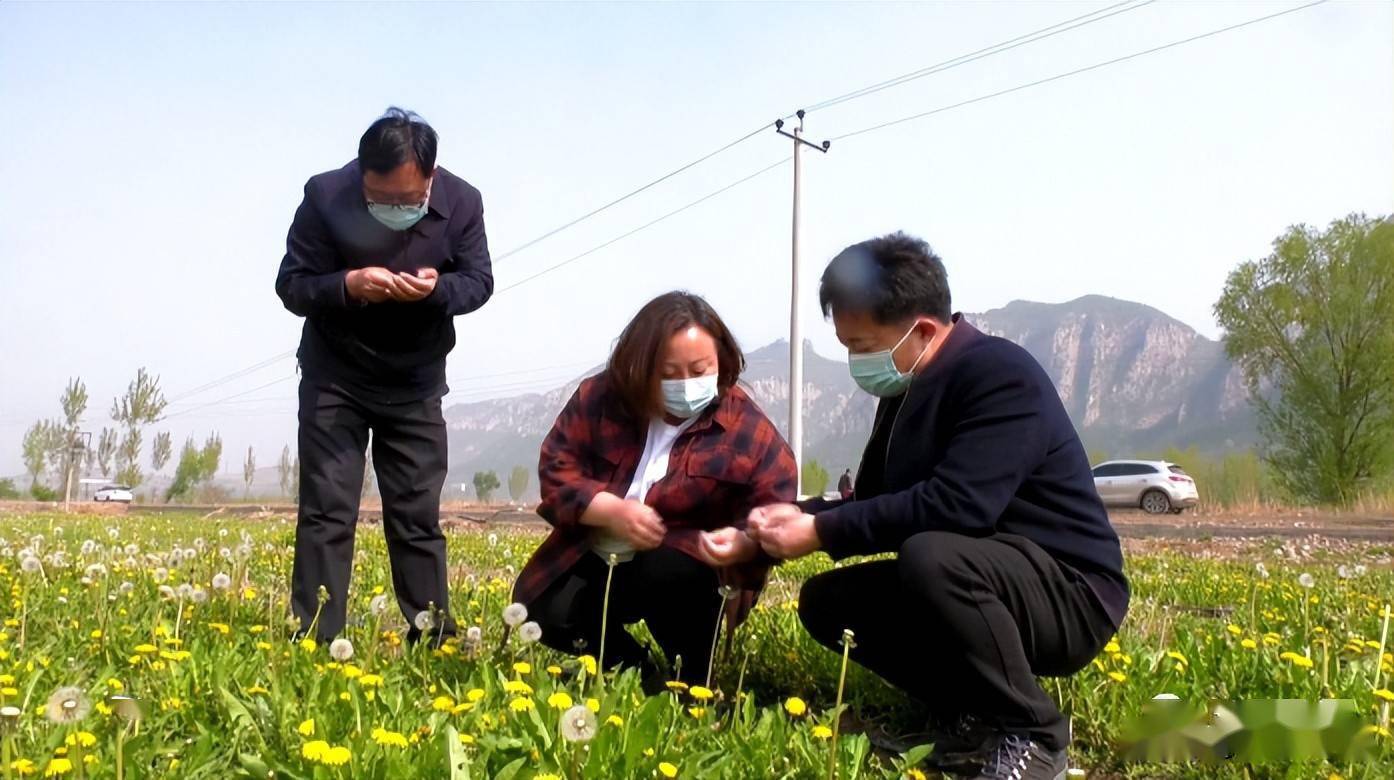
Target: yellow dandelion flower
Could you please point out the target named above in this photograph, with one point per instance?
(593, 705)
(615, 720)
(389, 738)
(559, 700)
(221, 628)
(370, 681)
(914, 774)
(475, 694)
(700, 693)
(24, 766)
(84, 738)
(255, 630)
(822, 732)
(147, 649)
(464, 706)
(1300, 661)
(336, 756)
(1233, 629)
(314, 750)
(257, 689)
(520, 704)
(1117, 677)
(1112, 648)
(344, 696)
(676, 685)
(466, 739)
(58, 766)
(308, 645)
(795, 706)
(667, 770)
(588, 663)
(554, 670)
(9, 692)
(522, 667)
(517, 687)
(263, 645)
(1249, 644)
(306, 728)
(1386, 694)
(352, 672)
(546, 776)
(442, 704)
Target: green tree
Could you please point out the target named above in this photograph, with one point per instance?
(295, 479)
(518, 482)
(72, 452)
(106, 450)
(8, 491)
(815, 478)
(161, 450)
(196, 467)
(283, 469)
(142, 405)
(1312, 327)
(485, 483)
(249, 470)
(39, 443)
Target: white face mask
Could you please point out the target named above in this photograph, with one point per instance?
(686, 398)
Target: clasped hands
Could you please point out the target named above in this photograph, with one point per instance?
(378, 285)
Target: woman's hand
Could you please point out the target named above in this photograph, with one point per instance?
(634, 521)
(727, 546)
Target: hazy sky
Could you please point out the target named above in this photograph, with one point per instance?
(152, 157)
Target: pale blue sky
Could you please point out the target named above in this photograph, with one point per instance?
(153, 154)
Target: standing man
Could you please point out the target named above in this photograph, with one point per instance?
(382, 255)
(844, 485)
(1006, 565)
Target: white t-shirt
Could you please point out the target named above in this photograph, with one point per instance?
(653, 466)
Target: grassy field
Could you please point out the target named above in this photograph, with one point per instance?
(187, 616)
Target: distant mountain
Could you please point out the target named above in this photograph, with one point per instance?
(1133, 380)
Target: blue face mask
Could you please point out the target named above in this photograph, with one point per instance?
(397, 217)
(686, 398)
(875, 372)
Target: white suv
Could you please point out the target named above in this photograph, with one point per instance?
(1156, 486)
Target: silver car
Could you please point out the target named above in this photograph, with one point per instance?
(119, 493)
(1156, 486)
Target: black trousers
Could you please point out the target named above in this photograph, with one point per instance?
(965, 624)
(674, 594)
(409, 456)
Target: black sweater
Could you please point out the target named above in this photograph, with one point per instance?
(979, 444)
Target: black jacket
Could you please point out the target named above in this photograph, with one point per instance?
(389, 351)
(979, 444)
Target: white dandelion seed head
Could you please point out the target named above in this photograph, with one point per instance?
(424, 621)
(507, 553)
(112, 532)
(199, 544)
(221, 581)
(1262, 570)
(167, 593)
(514, 614)
(1166, 697)
(190, 553)
(126, 587)
(1343, 571)
(132, 549)
(244, 550)
(67, 705)
(199, 595)
(30, 565)
(510, 570)
(530, 632)
(185, 590)
(578, 724)
(1360, 570)
(225, 553)
(85, 580)
(96, 570)
(341, 649)
(62, 599)
(474, 635)
(10, 712)
(26, 552)
(222, 533)
(493, 540)
(58, 559)
(88, 547)
(161, 573)
(378, 606)
(1306, 580)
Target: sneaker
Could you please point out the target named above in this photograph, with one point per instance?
(961, 744)
(1016, 757)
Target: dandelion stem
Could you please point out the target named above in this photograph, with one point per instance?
(837, 709)
(716, 635)
(605, 619)
(120, 753)
(7, 755)
(1379, 659)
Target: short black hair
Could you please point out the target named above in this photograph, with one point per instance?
(398, 137)
(891, 278)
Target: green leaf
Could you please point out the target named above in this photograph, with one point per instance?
(509, 771)
(455, 753)
(915, 755)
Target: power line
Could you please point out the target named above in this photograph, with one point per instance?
(183, 412)
(646, 225)
(999, 48)
(1078, 71)
(234, 375)
(627, 196)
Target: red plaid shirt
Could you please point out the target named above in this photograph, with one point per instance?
(730, 461)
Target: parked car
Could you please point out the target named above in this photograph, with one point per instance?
(114, 493)
(1155, 486)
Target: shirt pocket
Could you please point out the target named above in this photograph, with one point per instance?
(717, 481)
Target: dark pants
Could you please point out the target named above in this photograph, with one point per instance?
(674, 594)
(410, 461)
(965, 625)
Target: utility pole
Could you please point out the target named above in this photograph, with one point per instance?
(77, 450)
(795, 332)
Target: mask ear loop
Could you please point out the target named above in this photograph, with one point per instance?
(919, 357)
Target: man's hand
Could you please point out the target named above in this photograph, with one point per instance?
(407, 288)
(370, 285)
(637, 523)
(727, 546)
(783, 530)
